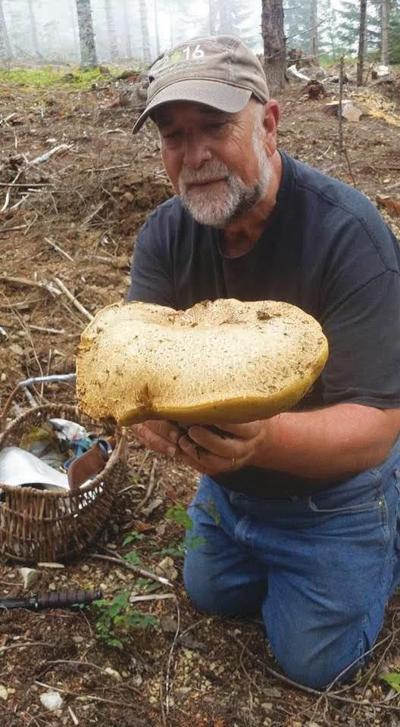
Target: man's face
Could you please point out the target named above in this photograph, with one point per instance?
(217, 162)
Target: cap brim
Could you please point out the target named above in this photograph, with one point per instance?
(216, 94)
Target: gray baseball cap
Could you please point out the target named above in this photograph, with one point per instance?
(218, 71)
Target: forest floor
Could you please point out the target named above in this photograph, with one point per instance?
(73, 217)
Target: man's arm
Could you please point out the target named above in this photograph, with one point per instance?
(326, 443)
(329, 442)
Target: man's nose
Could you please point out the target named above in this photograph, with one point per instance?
(196, 152)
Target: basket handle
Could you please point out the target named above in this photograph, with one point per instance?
(28, 382)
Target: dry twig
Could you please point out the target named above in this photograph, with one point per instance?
(151, 485)
(59, 249)
(124, 563)
(85, 697)
(73, 300)
(30, 283)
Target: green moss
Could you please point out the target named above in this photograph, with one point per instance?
(48, 76)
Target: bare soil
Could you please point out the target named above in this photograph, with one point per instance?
(75, 220)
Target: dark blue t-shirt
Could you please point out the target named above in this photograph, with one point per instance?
(324, 248)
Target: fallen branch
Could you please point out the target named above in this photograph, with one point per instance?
(85, 697)
(48, 154)
(152, 597)
(151, 486)
(34, 380)
(11, 185)
(168, 675)
(25, 184)
(94, 213)
(74, 662)
(46, 330)
(73, 300)
(124, 563)
(59, 249)
(8, 118)
(106, 169)
(30, 283)
(4, 230)
(23, 644)
(113, 131)
(309, 690)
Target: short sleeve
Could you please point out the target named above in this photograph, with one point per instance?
(364, 358)
(151, 276)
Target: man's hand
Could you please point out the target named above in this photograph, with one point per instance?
(203, 448)
(211, 453)
(160, 436)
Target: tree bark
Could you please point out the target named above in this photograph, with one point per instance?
(72, 20)
(385, 15)
(274, 44)
(33, 26)
(145, 31)
(212, 16)
(127, 30)
(5, 45)
(156, 32)
(362, 42)
(225, 17)
(86, 34)
(112, 38)
(314, 29)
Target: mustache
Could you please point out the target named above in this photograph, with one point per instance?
(211, 170)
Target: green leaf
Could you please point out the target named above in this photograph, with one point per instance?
(133, 557)
(393, 679)
(132, 537)
(179, 515)
(176, 551)
(146, 586)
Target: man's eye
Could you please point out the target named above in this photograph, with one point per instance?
(171, 136)
(216, 126)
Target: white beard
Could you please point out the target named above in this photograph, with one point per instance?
(221, 203)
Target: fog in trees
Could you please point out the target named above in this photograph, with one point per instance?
(45, 31)
(88, 32)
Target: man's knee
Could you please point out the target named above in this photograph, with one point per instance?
(221, 592)
(315, 673)
(314, 664)
(204, 594)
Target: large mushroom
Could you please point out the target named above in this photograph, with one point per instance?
(221, 361)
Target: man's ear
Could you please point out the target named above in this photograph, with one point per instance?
(270, 123)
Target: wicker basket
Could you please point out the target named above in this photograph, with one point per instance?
(44, 526)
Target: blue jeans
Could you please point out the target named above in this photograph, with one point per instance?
(320, 568)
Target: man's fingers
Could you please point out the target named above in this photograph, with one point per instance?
(159, 436)
(225, 447)
(241, 431)
(204, 460)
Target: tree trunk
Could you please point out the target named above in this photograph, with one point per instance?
(362, 42)
(314, 29)
(156, 32)
(385, 14)
(225, 17)
(171, 28)
(5, 45)
(274, 43)
(145, 31)
(33, 26)
(127, 30)
(72, 20)
(331, 31)
(112, 38)
(86, 34)
(212, 17)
